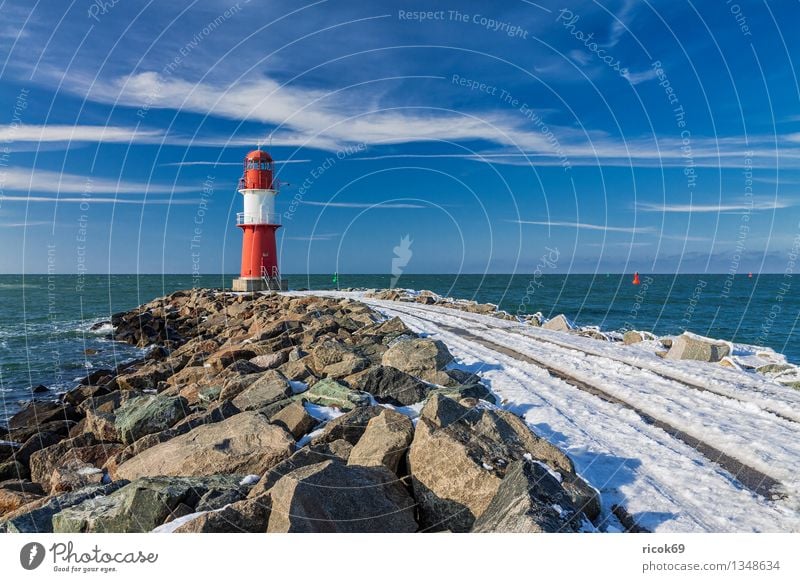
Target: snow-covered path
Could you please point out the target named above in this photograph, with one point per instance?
(664, 483)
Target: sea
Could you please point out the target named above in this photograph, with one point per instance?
(46, 335)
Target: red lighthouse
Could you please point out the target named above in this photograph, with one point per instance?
(258, 222)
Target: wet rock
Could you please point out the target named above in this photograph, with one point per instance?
(357, 499)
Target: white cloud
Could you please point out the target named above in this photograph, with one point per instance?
(76, 133)
(94, 200)
(29, 180)
(315, 237)
(730, 207)
(586, 226)
(376, 205)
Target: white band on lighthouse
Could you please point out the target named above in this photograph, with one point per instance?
(259, 207)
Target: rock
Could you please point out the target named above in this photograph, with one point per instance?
(270, 387)
(459, 457)
(529, 500)
(691, 347)
(388, 384)
(295, 419)
(296, 370)
(349, 426)
(477, 391)
(329, 352)
(357, 499)
(140, 506)
(417, 356)
(36, 413)
(246, 516)
(40, 389)
(77, 395)
(36, 443)
(558, 323)
(349, 365)
(244, 444)
(336, 450)
(146, 378)
(13, 470)
(148, 415)
(632, 337)
(85, 448)
(225, 357)
(37, 517)
(384, 442)
(22, 486)
(11, 500)
(328, 392)
(74, 474)
(269, 361)
(774, 369)
(232, 387)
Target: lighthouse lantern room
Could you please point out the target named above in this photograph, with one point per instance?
(258, 222)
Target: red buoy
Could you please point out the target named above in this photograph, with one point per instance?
(636, 280)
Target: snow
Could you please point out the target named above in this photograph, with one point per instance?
(249, 480)
(664, 484)
(297, 386)
(323, 413)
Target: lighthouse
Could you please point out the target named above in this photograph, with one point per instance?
(258, 222)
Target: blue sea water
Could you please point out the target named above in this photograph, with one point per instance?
(45, 320)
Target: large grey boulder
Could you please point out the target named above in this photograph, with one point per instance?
(529, 500)
(271, 387)
(384, 442)
(459, 456)
(329, 392)
(149, 415)
(38, 517)
(141, 505)
(295, 419)
(691, 347)
(349, 426)
(390, 385)
(417, 356)
(243, 444)
(334, 497)
(245, 516)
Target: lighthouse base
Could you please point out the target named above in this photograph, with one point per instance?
(248, 284)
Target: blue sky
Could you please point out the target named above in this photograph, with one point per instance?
(629, 135)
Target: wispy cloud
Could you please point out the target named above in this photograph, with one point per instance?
(69, 200)
(587, 226)
(29, 180)
(76, 133)
(719, 208)
(376, 205)
(212, 163)
(315, 237)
